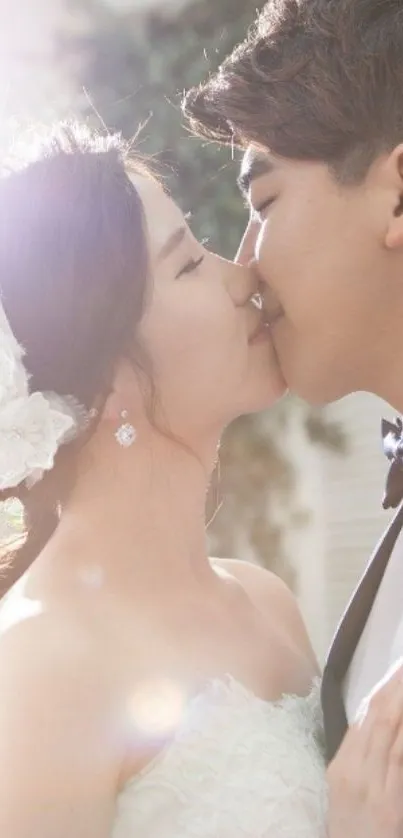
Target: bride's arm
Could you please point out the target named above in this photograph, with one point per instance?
(58, 747)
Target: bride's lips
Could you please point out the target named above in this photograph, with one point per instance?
(266, 317)
(260, 333)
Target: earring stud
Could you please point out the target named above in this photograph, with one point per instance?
(126, 432)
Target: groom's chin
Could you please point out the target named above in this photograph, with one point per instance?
(315, 392)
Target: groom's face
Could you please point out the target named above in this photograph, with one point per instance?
(320, 251)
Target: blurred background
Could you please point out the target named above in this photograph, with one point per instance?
(298, 490)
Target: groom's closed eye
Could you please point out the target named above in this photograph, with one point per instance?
(253, 168)
(260, 209)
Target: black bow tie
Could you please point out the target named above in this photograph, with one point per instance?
(392, 433)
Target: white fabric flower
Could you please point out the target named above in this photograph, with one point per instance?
(13, 378)
(31, 432)
(11, 523)
(32, 426)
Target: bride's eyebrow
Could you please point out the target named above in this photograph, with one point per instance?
(173, 241)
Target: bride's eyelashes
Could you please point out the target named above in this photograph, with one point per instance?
(190, 266)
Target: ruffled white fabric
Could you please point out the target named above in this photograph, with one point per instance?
(239, 767)
(31, 431)
(32, 425)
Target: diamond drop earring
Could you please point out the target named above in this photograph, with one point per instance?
(126, 433)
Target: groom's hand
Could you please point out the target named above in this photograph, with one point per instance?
(366, 775)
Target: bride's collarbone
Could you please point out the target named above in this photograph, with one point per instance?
(165, 661)
(176, 647)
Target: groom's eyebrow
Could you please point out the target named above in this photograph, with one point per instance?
(254, 168)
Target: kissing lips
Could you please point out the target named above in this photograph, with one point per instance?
(261, 333)
(271, 317)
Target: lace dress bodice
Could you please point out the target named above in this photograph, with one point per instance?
(238, 767)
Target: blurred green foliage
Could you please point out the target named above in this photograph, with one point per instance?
(134, 69)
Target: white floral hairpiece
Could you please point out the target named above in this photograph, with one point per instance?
(33, 426)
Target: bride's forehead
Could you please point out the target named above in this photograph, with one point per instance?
(162, 215)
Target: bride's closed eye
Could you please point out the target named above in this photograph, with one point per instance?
(190, 266)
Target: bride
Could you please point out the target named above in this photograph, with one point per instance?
(146, 690)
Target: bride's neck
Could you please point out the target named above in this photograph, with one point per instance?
(145, 514)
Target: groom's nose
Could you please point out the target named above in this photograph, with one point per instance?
(246, 250)
(269, 298)
(241, 282)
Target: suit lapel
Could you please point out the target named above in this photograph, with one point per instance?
(348, 634)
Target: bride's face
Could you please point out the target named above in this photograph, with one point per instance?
(210, 360)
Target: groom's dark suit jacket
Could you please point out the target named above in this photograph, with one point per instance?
(355, 617)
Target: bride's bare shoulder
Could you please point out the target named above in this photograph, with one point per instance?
(257, 580)
(271, 595)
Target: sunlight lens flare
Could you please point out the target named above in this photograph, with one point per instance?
(157, 707)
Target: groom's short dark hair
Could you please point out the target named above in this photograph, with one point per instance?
(314, 80)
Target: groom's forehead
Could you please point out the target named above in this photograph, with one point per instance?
(254, 164)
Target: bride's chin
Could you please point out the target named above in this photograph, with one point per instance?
(272, 386)
(275, 389)
(272, 399)
(278, 386)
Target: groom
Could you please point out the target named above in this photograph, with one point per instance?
(315, 98)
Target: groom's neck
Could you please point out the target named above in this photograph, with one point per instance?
(382, 372)
(390, 387)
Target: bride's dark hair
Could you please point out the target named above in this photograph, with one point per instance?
(73, 280)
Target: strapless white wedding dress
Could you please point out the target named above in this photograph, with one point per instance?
(238, 767)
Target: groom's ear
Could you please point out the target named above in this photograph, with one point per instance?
(394, 179)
